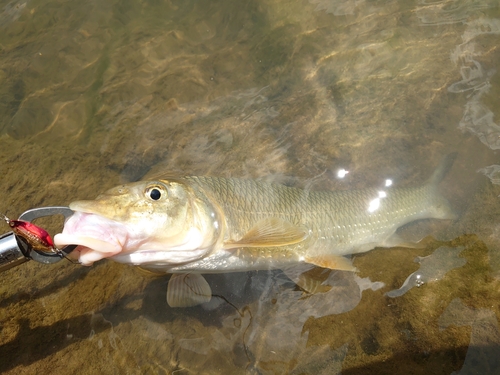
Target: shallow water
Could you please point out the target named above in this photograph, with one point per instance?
(96, 93)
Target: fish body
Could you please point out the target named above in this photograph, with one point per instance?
(195, 225)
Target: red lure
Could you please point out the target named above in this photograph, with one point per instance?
(38, 238)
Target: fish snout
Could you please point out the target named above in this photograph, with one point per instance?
(98, 207)
(114, 192)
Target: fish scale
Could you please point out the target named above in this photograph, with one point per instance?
(339, 220)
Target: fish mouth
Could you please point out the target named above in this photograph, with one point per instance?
(97, 237)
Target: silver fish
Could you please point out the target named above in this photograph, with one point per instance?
(194, 225)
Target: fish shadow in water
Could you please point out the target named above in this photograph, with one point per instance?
(34, 344)
(236, 290)
(230, 292)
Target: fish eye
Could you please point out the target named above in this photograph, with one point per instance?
(155, 192)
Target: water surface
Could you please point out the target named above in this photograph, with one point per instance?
(97, 93)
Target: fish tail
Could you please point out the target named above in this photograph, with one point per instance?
(441, 208)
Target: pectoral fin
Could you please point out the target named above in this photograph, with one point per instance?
(270, 232)
(332, 262)
(188, 289)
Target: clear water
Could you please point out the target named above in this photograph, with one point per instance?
(96, 93)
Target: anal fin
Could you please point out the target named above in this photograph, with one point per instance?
(333, 262)
(188, 289)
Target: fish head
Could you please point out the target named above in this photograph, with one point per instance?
(156, 208)
(148, 222)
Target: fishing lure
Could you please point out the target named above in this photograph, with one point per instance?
(38, 238)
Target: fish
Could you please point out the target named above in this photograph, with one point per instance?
(195, 225)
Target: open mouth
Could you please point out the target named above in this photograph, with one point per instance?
(96, 236)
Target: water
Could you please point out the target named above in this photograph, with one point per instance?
(96, 93)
